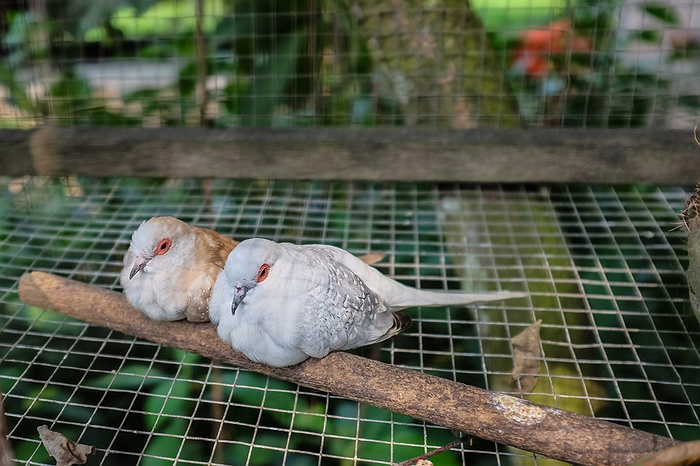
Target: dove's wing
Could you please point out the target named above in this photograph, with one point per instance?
(340, 311)
(218, 246)
(210, 251)
(398, 296)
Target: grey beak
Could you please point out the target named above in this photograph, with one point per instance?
(139, 264)
(238, 296)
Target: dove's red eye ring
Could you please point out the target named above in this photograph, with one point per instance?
(263, 272)
(163, 246)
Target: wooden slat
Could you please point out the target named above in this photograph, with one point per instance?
(487, 156)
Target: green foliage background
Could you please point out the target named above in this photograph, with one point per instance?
(300, 63)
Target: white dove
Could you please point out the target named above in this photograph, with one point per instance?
(170, 268)
(279, 303)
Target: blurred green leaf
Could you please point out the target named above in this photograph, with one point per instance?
(138, 20)
(646, 35)
(142, 96)
(167, 398)
(158, 50)
(268, 81)
(166, 446)
(309, 417)
(87, 14)
(242, 454)
(187, 80)
(257, 25)
(69, 93)
(231, 95)
(26, 38)
(664, 13)
(132, 376)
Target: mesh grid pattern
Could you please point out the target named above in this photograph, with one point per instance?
(603, 267)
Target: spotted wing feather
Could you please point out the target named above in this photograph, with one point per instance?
(343, 313)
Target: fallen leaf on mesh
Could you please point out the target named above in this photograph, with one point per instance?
(526, 357)
(691, 222)
(5, 449)
(66, 452)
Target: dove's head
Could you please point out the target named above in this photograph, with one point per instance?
(249, 265)
(158, 244)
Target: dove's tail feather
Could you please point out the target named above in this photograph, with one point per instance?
(401, 322)
(405, 296)
(399, 296)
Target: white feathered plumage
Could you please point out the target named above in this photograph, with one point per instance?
(279, 303)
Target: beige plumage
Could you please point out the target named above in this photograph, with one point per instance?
(170, 268)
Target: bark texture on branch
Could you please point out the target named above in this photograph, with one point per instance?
(489, 415)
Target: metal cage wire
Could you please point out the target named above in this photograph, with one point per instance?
(603, 267)
(624, 64)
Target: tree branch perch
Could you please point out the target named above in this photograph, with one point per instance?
(489, 415)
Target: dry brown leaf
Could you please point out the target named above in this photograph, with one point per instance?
(526, 357)
(691, 222)
(5, 449)
(65, 451)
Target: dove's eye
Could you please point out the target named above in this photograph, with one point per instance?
(263, 272)
(163, 246)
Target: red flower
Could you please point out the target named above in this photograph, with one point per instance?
(532, 56)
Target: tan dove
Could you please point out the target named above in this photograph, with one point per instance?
(170, 268)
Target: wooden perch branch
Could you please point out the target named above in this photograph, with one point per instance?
(489, 415)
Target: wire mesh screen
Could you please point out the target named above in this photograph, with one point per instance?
(452, 63)
(603, 268)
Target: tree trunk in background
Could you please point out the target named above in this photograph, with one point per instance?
(436, 61)
(434, 58)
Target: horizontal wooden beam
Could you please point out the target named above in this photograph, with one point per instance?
(421, 154)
